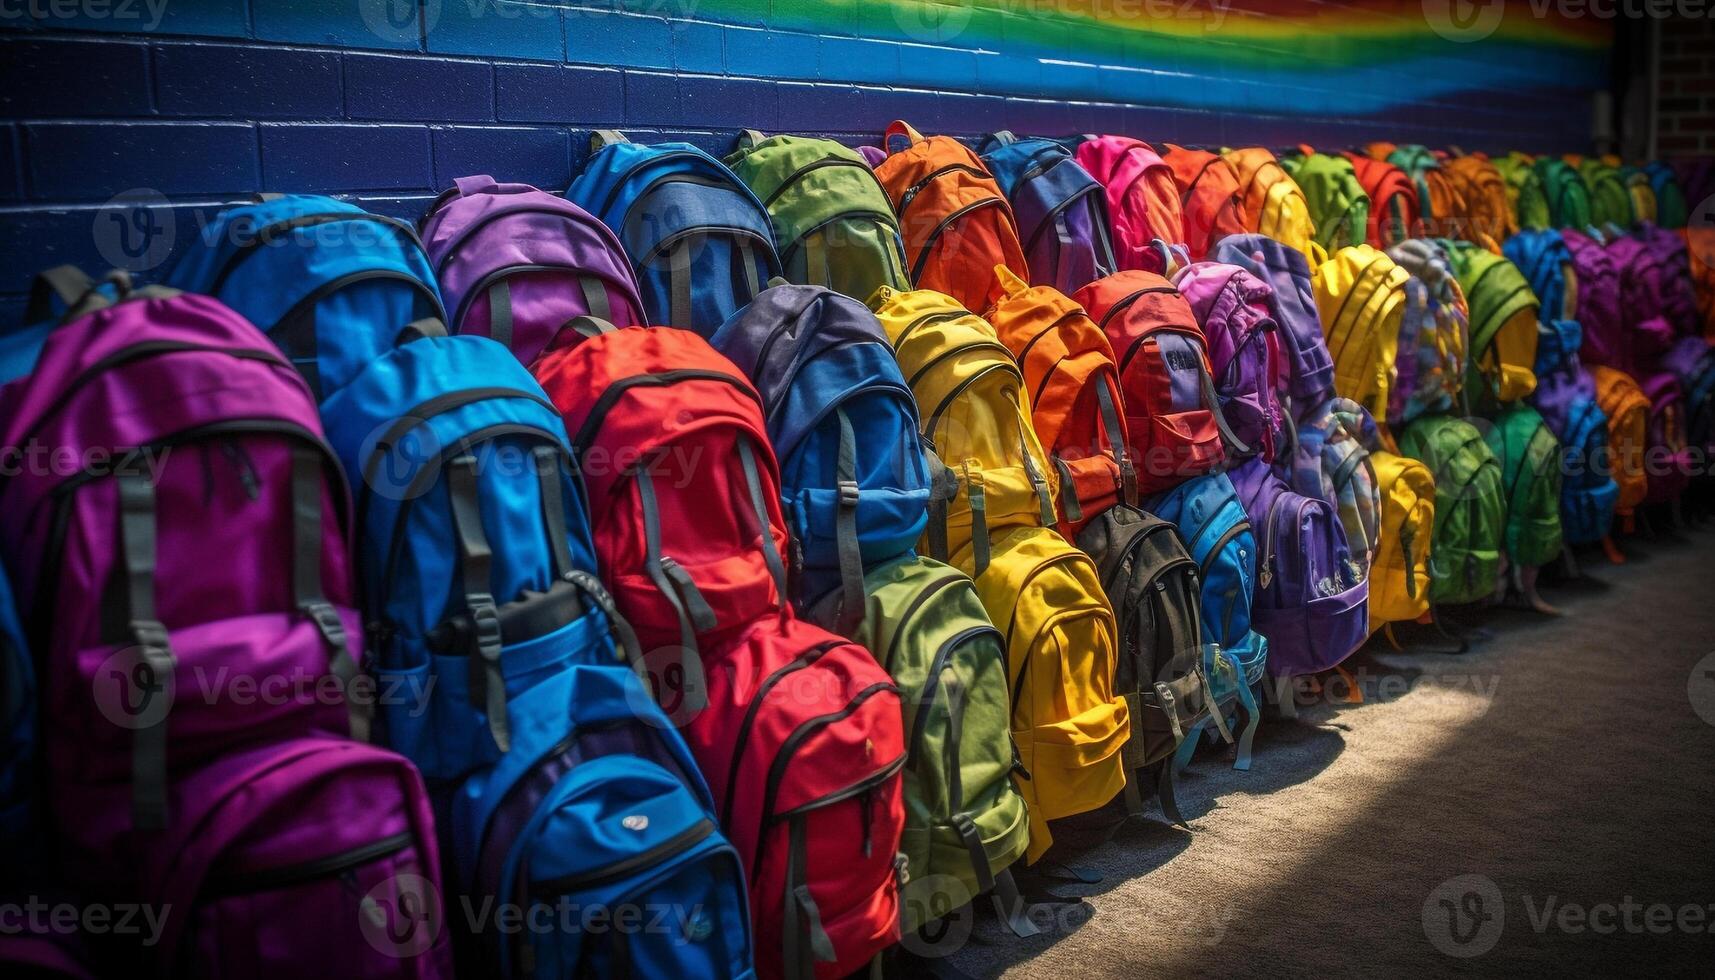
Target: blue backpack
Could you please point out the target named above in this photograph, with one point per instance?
(1544, 259)
(700, 243)
(17, 736)
(854, 481)
(327, 281)
(58, 295)
(1062, 211)
(1212, 523)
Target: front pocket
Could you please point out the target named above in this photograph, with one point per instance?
(1174, 446)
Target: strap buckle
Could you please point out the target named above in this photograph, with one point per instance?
(849, 493)
(485, 626)
(150, 638)
(326, 618)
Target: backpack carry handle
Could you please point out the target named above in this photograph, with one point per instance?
(748, 138)
(589, 327)
(899, 136)
(266, 197)
(66, 282)
(423, 329)
(1004, 137)
(601, 139)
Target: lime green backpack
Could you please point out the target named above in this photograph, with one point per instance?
(1530, 471)
(1470, 507)
(965, 822)
(1339, 208)
(1524, 191)
(833, 224)
(1568, 196)
(1610, 201)
(1501, 356)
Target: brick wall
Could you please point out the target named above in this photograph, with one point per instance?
(125, 123)
(1685, 101)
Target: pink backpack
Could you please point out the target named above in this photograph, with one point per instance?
(189, 566)
(1143, 201)
(1233, 307)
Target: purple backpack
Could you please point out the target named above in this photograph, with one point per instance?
(1692, 361)
(1647, 331)
(1676, 296)
(1309, 374)
(1598, 305)
(1312, 599)
(188, 566)
(1233, 308)
(519, 265)
(1668, 460)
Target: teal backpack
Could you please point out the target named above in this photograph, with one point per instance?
(1530, 473)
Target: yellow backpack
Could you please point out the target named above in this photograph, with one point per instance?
(994, 504)
(1274, 203)
(1361, 294)
(1399, 573)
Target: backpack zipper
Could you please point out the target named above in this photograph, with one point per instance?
(651, 161)
(934, 175)
(1125, 303)
(934, 235)
(224, 884)
(935, 588)
(265, 234)
(886, 221)
(926, 319)
(507, 272)
(661, 853)
(941, 663)
(799, 662)
(465, 234)
(799, 174)
(1061, 208)
(613, 392)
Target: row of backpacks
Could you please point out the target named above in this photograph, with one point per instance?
(954, 493)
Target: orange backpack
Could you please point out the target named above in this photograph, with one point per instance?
(1394, 209)
(1480, 188)
(1074, 397)
(1274, 203)
(1628, 410)
(955, 221)
(1209, 195)
(1700, 250)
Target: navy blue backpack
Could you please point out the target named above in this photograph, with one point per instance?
(327, 281)
(498, 672)
(700, 243)
(854, 481)
(1062, 211)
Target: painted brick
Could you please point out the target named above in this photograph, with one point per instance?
(253, 82)
(937, 66)
(698, 47)
(1011, 74)
(533, 156)
(11, 172)
(52, 78)
(392, 88)
(651, 99)
(1068, 79)
(389, 24)
(845, 59)
(336, 158)
(204, 18)
(496, 28)
(769, 54)
(602, 38)
(84, 161)
(556, 93)
(728, 103)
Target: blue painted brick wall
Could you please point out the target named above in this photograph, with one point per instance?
(386, 101)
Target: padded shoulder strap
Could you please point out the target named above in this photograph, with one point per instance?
(67, 282)
(419, 330)
(602, 138)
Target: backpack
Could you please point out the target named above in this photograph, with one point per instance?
(1143, 200)
(1488, 213)
(1700, 262)
(1274, 204)
(1339, 207)
(975, 416)
(1399, 573)
(954, 217)
(1628, 413)
(517, 265)
(1331, 462)
(1311, 600)
(832, 221)
(1075, 398)
(1641, 192)
(1610, 201)
(1672, 210)
(1525, 192)
(1211, 521)
(328, 282)
(1394, 213)
(1650, 317)
(473, 544)
(1503, 315)
(964, 818)
(1172, 414)
(844, 427)
(1470, 507)
(1668, 461)
(1597, 300)
(1531, 481)
(1566, 398)
(1068, 720)
(1670, 260)
(700, 243)
(1436, 199)
(20, 821)
(1438, 317)
(797, 732)
(1364, 297)
(1568, 196)
(202, 422)
(1211, 199)
(1233, 307)
(1061, 210)
(1696, 177)
(1546, 262)
(1308, 378)
(1692, 361)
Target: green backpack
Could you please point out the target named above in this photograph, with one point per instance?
(1339, 207)
(1530, 471)
(1501, 353)
(1568, 197)
(965, 822)
(1470, 507)
(1610, 202)
(1524, 190)
(833, 224)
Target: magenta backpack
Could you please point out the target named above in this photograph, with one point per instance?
(1143, 200)
(1233, 307)
(519, 265)
(182, 556)
(1668, 461)
(1677, 296)
(1598, 304)
(1312, 598)
(1647, 331)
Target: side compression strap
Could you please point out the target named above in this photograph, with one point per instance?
(1068, 491)
(753, 483)
(307, 591)
(1111, 426)
(679, 284)
(804, 942)
(500, 313)
(979, 519)
(846, 531)
(487, 682)
(670, 578)
(153, 669)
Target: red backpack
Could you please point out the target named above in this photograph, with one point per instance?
(1164, 371)
(1210, 197)
(798, 732)
(1394, 209)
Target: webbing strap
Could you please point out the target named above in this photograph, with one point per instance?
(547, 460)
(153, 669)
(805, 942)
(595, 297)
(1247, 697)
(500, 313)
(770, 554)
(943, 487)
(69, 283)
(679, 284)
(672, 581)
(476, 562)
(846, 531)
(1068, 491)
(747, 259)
(1009, 906)
(1212, 399)
(1111, 426)
(979, 519)
(307, 591)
